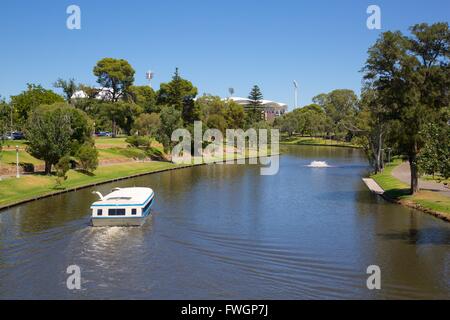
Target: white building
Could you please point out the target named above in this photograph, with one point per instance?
(270, 109)
(103, 94)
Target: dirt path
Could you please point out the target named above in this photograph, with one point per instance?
(402, 173)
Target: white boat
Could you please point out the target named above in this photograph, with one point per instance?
(122, 207)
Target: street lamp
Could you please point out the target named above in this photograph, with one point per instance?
(149, 76)
(296, 93)
(17, 162)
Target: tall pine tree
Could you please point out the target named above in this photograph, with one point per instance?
(255, 104)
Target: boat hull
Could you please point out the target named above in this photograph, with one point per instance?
(118, 222)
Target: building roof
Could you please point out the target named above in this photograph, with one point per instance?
(125, 197)
(264, 103)
(103, 94)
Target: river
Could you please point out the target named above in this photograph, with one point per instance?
(226, 232)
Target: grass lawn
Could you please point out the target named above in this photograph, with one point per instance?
(30, 186)
(437, 179)
(312, 141)
(9, 157)
(398, 190)
(109, 149)
(106, 143)
(394, 188)
(121, 153)
(11, 144)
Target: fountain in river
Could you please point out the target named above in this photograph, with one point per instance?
(318, 164)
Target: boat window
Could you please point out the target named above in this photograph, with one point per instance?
(133, 212)
(145, 209)
(116, 212)
(119, 198)
(99, 212)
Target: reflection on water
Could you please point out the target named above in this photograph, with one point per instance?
(225, 232)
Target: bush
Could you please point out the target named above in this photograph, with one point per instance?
(62, 167)
(28, 167)
(88, 157)
(138, 141)
(155, 154)
(133, 153)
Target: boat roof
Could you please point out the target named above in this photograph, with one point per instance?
(126, 196)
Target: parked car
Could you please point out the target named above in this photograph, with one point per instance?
(18, 135)
(103, 134)
(7, 137)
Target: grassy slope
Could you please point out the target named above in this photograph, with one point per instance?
(9, 158)
(30, 186)
(109, 149)
(398, 190)
(312, 141)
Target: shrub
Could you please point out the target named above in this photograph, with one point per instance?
(138, 141)
(155, 154)
(62, 167)
(88, 157)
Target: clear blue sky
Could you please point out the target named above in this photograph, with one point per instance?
(216, 44)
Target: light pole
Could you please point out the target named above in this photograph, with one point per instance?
(231, 91)
(296, 93)
(149, 76)
(17, 162)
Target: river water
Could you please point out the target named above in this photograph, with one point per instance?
(226, 232)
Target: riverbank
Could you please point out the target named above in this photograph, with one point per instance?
(313, 141)
(36, 186)
(397, 191)
(110, 150)
(33, 187)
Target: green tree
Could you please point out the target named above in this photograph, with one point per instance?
(311, 120)
(120, 115)
(217, 121)
(180, 93)
(234, 115)
(287, 123)
(213, 112)
(434, 158)
(411, 75)
(53, 131)
(147, 124)
(170, 121)
(371, 127)
(116, 74)
(255, 98)
(62, 167)
(145, 97)
(88, 157)
(34, 96)
(5, 116)
(341, 106)
(69, 88)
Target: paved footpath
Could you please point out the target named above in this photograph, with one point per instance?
(403, 174)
